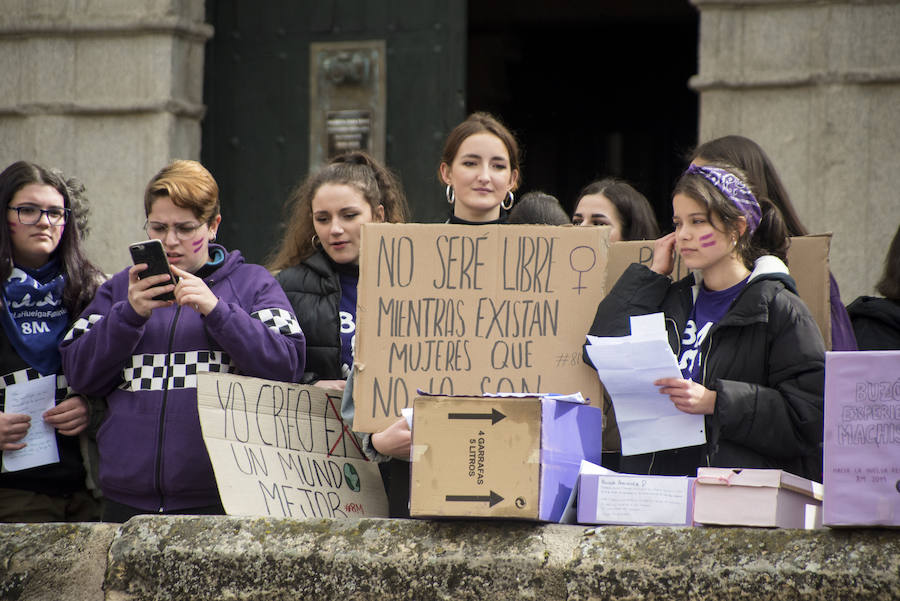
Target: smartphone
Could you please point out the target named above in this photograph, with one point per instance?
(151, 252)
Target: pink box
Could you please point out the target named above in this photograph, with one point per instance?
(756, 497)
(862, 439)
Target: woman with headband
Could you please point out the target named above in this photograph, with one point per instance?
(751, 355)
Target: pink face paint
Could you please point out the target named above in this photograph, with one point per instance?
(707, 237)
(197, 245)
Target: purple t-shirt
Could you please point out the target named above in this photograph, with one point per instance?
(709, 308)
(347, 312)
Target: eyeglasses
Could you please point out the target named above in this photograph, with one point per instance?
(183, 231)
(30, 214)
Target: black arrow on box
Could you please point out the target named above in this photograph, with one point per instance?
(495, 416)
(491, 499)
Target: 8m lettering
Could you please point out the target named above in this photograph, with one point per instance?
(34, 327)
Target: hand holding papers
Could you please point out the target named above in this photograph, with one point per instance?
(628, 366)
(32, 398)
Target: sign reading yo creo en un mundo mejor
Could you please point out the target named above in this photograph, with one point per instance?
(282, 450)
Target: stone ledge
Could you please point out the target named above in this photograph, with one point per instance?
(702, 83)
(181, 557)
(766, 4)
(179, 108)
(92, 27)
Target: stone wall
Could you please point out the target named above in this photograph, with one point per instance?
(817, 84)
(223, 558)
(108, 91)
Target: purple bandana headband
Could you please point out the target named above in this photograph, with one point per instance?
(734, 190)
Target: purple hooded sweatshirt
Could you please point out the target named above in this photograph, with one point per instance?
(152, 454)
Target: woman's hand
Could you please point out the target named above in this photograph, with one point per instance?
(13, 428)
(331, 384)
(394, 440)
(141, 292)
(688, 396)
(664, 255)
(70, 417)
(193, 292)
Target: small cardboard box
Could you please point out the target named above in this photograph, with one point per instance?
(862, 439)
(630, 499)
(506, 457)
(756, 497)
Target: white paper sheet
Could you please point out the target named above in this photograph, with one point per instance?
(630, 499)
(628, 366)
(32, 398)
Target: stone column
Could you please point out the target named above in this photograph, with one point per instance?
(108, 91)
(817, 84)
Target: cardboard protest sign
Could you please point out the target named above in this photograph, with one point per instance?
(282, 450)
(807, 260)
(862, 438)
(453, 309)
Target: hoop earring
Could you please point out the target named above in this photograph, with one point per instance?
(512, 199)
(451, 195)
(315, 241)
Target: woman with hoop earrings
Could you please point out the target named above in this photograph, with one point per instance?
(480, 167)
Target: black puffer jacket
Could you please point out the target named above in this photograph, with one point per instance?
(876, 322)
(314, 291)
(765, 359)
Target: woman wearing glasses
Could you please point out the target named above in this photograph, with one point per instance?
(46, 282)
(144, 354)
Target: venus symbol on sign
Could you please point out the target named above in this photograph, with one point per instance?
(579, 258)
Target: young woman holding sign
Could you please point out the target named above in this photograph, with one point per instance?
(317, 264)
(47, 280)
(751, 355)
(143, 352)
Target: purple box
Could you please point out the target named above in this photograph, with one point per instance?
(862, 439)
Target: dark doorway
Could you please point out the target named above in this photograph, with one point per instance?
(592, 88)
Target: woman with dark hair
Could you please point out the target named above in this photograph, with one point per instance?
(480, 168)
(876, 321)
(747, 155)
(751, 355)
(143, 352)
(613, 202)
(47, 281)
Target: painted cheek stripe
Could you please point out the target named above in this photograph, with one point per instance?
(197, 244)
(707, 237)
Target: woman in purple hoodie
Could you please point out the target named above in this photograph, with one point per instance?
(143, 353)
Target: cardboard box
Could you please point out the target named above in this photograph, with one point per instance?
(630, 499)
(461, 310)
(862, 439)
(756, 497)
(499, 457)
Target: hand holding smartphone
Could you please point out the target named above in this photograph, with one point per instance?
(152, 253)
